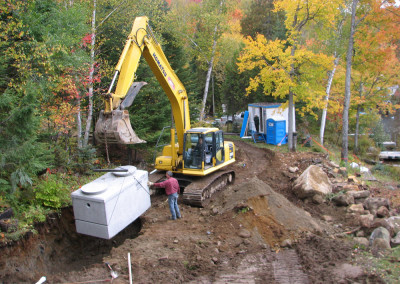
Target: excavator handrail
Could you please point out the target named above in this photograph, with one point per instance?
(158, 140)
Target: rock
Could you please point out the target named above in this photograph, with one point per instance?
(353, 179)
(394, 223)
(356, 208)
(286, 243)
(243, 233)
(318, 199)
(246, 242)
(357, 194)
(395, 242)
(380, 247)
(362, 241)
(343, 200)
(346, 272)
(343, 171)
(373, 203)
(327, 218)
(366, 220)
(215, 260)
(382, 212)
(360, 234)
(215, 211)
(293, 169)
(7, 214)
(333, 164)
(312, 181)
(176, 241)
(380, 233)
(8, 225)
(350, 187)
(378, 222)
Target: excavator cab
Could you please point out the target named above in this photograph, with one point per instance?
(203, 148)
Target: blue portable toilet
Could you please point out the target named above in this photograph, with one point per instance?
(276, 132)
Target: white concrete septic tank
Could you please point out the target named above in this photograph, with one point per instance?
(107, 205)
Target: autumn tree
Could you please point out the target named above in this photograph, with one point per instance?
(287, 68)
(199, 26)
(36, 52)
(361, 13)
(376, 65)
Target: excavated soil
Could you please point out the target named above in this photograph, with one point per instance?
(238, 238)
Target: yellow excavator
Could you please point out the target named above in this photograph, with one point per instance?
(199, 154)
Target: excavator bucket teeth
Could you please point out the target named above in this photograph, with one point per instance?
(115, 128)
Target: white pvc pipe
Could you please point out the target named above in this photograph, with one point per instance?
(41, 280)
(130, 267)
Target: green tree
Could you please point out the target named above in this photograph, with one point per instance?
(269, 23)
(37, 50)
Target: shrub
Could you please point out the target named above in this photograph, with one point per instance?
(84, 159)
(52, 192)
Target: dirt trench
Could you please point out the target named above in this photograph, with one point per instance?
(236, 239)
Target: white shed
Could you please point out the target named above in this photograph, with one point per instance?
(265, 111)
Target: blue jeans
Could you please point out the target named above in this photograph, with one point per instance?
(173, 205)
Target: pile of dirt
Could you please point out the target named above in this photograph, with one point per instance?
(255, 231)
(268, 212)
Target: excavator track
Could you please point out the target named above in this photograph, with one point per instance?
(199, 192)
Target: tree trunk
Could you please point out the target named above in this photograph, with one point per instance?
(79, 122)
(356, 148)
(328, 90)
(91, 75)
(291, 144)
(347, 92)
(357, 130)
(210, 67)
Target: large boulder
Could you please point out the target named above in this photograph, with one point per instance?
(373, 203)
(311, 182)
(394, 222)
(358, 194)
(380, 242)
(379, 222)
(366, 220)
(343, 200)
(380, 233)
(395, 242)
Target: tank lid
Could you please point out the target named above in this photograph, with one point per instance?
(130, 170)
(94, 187)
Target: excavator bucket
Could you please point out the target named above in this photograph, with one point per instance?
(115, 128)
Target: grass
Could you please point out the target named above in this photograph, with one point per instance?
(388, 267)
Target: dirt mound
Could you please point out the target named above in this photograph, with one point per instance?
(268, 212)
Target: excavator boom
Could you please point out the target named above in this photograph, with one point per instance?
(203, 162)
(113, 125)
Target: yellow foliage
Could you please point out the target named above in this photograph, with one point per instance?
(280, 72)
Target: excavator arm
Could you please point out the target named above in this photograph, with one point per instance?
(113, 125)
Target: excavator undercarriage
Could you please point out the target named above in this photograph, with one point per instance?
(198, 191)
